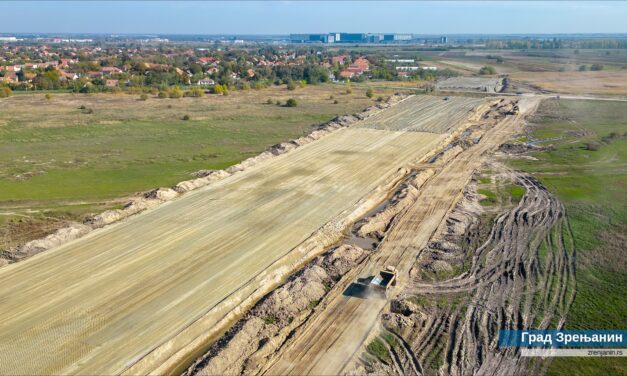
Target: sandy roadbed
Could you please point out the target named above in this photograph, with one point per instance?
(148, 291)
(328, 343)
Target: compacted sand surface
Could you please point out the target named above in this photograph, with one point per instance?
(145, 288)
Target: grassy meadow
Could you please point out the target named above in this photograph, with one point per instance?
(77, 154)
(587, 168)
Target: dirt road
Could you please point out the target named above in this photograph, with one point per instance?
(513, 282)
(132, 295)
(328, 343)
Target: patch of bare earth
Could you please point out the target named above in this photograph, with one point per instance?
(485, 270)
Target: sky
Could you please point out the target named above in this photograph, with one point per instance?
(284, 17)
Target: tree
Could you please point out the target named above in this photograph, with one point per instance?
(5, 92)
(487, 70)
(195, 92)
(369, 93)
(219, 89)
(175, 92)
(291, 103)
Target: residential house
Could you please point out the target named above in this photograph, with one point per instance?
(112, 83)
(68, 76)
(110, 70)
(9, 77)
(362, 63)
(346, 74)
(206, 81)
(29, 76)
(338, 59)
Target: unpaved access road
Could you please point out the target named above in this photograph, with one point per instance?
(133, 295)
(510, 284)
(327, 345)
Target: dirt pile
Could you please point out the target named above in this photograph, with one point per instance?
(267, 326)
(63, 235)
(407, 193)
(481, 84)
(517, 274)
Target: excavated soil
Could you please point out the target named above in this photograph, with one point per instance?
(150, 293)
(331, 341)
(518, 275)
(482, 84)
(268, 325)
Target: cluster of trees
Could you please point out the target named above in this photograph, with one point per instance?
(487, 70)
(593, 67)
(557, 43)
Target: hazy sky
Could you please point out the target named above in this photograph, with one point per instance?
(284, 17)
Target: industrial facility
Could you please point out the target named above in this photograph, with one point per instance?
(360, 38)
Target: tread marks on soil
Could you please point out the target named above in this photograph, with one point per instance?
(505, 274)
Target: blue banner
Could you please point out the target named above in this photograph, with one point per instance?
(563, 338)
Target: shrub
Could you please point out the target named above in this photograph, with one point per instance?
(257, 85)
(302, 83)
(48, 96)
(596, 67)
(186, 117)
(269, 101)
(5, 92)
(143, 97)
(378, 349)
(195, 92)
(369, 93)
(331, 97)
(380, 99)
(487, 70)
(175, 92)
(82, 107)
(349, 91)
(583, 68)
(218, 89)
(291, 85)
(592, 146)
(335, 101)
(162, 95)
(278, 102)
(291, 103)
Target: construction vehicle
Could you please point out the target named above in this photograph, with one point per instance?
(375, 286)
(384, 279)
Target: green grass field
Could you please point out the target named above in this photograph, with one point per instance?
(78, 154)
(593, 187)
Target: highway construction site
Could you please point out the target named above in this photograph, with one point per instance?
(270, 267)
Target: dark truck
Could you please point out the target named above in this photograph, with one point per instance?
(382, 281)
